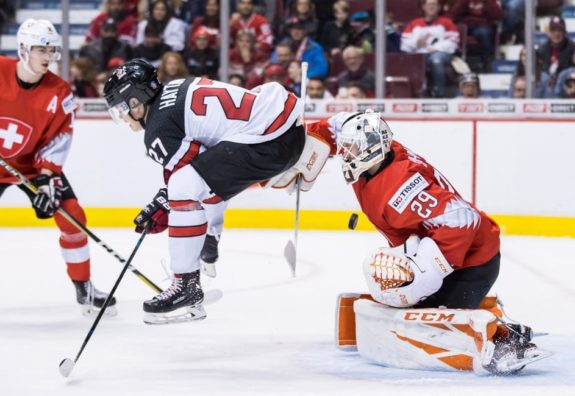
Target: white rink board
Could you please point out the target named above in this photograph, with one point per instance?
(108, 167)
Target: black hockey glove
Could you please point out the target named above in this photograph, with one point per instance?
(155, 214)
(47, 201)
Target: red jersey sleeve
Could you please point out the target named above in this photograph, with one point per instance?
(55, 142)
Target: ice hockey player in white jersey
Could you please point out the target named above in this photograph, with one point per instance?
(214, 140)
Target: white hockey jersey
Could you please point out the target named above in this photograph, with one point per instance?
(208, 112)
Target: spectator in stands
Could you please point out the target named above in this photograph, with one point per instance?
(83, 77)
(106, 46)
(352, 90)
(283, 54)
(557, 52)
(100, 83)
(569, 86)
(519, 88)
(237, 80)
(200, 58)
(362, 35)
(469, 86)
(210, 21)
(316, 89)
(153, 47)
(172, 68)
(436, 36)
(247, 19)
(306, 49)
(245, 58)
(561, 79)
(273, 73)
(336, 33)
(172, 29)
(356, 71)
(542, 86)
(294, 77)
(7, 12)
(481, 18)
(125, 22)
(304, 10)
(512, 30)
(187, 10)
(132, 7)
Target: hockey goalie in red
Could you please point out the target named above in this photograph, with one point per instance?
(36, 124)
(444, 252)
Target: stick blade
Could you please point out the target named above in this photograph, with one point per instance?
(66, 367)
(290, 256)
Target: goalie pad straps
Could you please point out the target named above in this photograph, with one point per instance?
(314, 156)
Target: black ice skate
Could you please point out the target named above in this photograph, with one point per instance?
(181, 302)
(92, 299)
(209, 255)
(513, 350)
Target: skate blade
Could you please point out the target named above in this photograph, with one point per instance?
(90, 310)
(513, 366)
(182, 315)
(209, 269)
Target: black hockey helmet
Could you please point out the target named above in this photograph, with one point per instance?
(134, 79)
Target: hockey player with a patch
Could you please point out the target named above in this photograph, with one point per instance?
(443, 256)
(36, 125)
(213, 140)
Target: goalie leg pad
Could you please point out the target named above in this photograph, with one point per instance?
(424, 339)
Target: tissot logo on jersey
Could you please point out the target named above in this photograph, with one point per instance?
(170, 93)
(14, 134)
(413, 186)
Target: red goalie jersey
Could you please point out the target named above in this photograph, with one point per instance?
(409, 196)
(35, 124)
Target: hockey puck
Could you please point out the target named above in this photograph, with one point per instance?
(352, 221)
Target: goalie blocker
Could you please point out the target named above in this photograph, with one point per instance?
(477, 340)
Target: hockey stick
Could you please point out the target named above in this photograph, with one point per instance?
(290, 250)
(67, 365)
(30, 186)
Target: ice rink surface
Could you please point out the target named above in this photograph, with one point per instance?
(270, 334)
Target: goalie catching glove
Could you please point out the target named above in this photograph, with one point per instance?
(401, 280)
(155, 214)
(47, 200)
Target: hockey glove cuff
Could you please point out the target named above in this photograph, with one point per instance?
(155, 214)
(49, 195)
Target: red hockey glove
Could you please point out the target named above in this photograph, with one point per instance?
(155, 214)
(47, 201)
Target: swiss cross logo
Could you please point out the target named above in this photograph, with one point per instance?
(14, 134)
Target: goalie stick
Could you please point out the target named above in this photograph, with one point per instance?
(67, 365)
(290, 250)
(28, 184)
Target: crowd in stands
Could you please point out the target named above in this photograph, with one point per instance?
(270, 38)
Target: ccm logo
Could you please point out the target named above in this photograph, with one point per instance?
(429, 316)
(440, 265)
(311, 161)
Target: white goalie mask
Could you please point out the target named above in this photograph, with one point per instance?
(37, 32)
(364, 141)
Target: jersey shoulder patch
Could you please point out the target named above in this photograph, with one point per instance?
(69, 104)
(407, 191)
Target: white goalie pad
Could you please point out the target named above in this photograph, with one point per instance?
(424, 339)
(314, 156)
